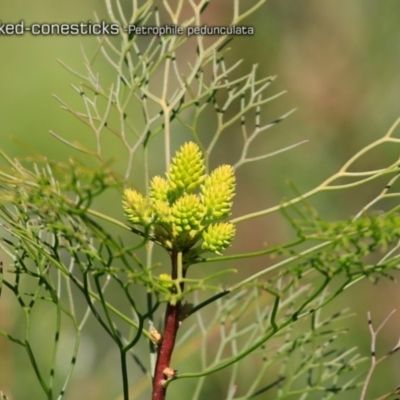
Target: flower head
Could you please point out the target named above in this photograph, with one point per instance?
(218, 237)
(187, 213)
(187, 168)
(177, 215)
(137, 208)
(217, 192)
(159, 189)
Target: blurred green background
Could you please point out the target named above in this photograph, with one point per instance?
(340, 63)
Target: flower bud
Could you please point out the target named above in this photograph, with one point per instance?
(166, 280)
(187, 168)
(217, 192)
(162, 211)
(137, 208)
(218, 237)
(155, 335)
(159, 189)
(187, 213)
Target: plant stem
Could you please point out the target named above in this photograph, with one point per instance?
(124, 370)
(166, 347)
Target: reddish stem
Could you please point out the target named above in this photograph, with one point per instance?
(166, 347)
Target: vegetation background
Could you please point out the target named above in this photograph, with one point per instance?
(339, 61)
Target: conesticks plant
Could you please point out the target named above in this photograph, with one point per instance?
(126, 239)
(178, 218)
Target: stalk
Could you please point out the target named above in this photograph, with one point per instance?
(166, 347)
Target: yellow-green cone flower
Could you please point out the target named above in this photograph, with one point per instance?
(217, 192)
(178, 218)
(187, 168)
(187, 213)
(224, 173)
(218, 237)
(163, 212)
(137, 208)
(159, 189)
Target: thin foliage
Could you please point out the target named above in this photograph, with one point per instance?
(63, 250)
